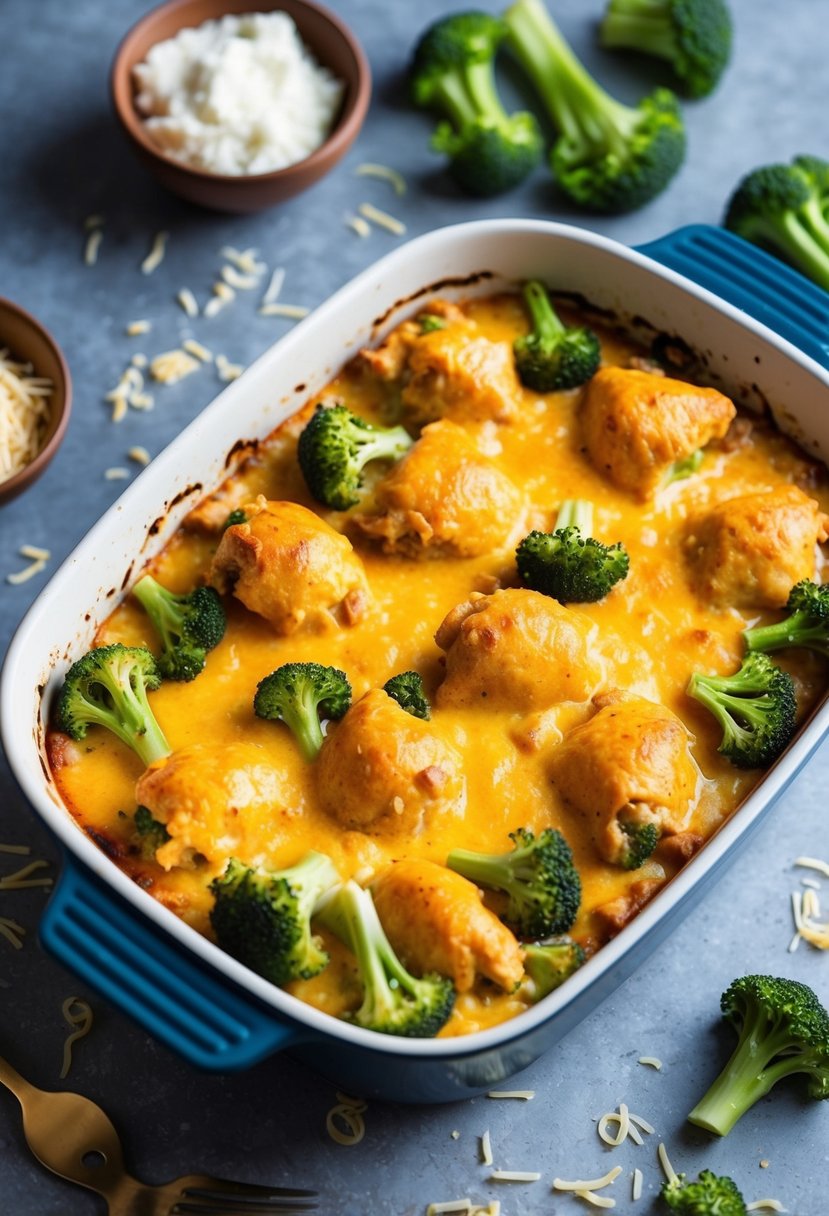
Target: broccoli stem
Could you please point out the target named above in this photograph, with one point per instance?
(546, 324)
(576, 513)
(301, 716)
(471, 95)
(584, 113)
(805, 243)
(642, 24)
(800, 629)
(132, 725)
(725, 706)
(161, 608)
(748, 1075)
(484, 869)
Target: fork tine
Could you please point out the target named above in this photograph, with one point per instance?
(209, 1207)
(204, 1184)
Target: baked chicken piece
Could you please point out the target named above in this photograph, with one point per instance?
(749, 551)
(207, 797)
(436, 921)
(637, 425)
(381, 770)
(388, 360)
(519, 650)
(290, 567)
(455, 373)
(444, 498)
(630, 772)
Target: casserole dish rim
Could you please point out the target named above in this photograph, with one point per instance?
(16, 727)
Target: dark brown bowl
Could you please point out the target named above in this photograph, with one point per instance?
(332, 44)
(29, 342)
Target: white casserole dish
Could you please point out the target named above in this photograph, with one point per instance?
(177, 984)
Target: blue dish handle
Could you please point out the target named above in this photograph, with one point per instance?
(186, 1004)
(752, 280)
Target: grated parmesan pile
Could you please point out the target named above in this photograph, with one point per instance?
(25, 404)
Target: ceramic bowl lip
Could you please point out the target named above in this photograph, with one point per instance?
(349, 122)
(61, 405)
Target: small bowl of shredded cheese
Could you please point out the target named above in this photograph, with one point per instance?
(35, 399)
(236, 105)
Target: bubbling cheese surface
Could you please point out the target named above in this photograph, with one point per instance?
(238, 96)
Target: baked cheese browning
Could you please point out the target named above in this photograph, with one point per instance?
(749, 551)
(627, 769)
(637, 425)
(444, 498)
(387, 362)
(214, 802)
(384, 771)
(436, 921)
(518, 650)
(457, 373)
(290, 567)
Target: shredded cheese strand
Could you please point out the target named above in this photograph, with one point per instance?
(385, 173)
(188, 302)
(651, 1061)
(486, 1148)
(357, 224)
(294, 312)
(23, 849)
(598, 1201)
(449, 1205)
(813, 863)
(81, 1017)
(353, 1121)
(12, 931)
(156, 255)
(526, 1094)
(274, 287)
(514, 1176)
(592, 1184)
(765, 1205)
(92, 247)
(382, 219)
(22, 880)
(636, 1189)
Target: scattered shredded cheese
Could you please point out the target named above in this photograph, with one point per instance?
(449, 1205)
(598, 1201)
(222, 296)
(592, 1184)
(455, 1135)
(22, 576)
(25, 404)
(116, 473)
(134, 328)
(652, 1061)
(764, 1164)
(765, 1205)
(93, 245)
(93, 221)
(245, 260)
(12, 931)
(188, 302)
(294, 312)
(810, 882)
(668, 1169)
(35, 553)
(636, 1189)
(486, 1148)
(275, 286)
(139, 455)
(172, 366)
(385, 173)
(128, 391)
(140, 361)
(526, 1094)
(22, 849)
(381, 218)
(813, 863)
(195, 348)
(349, 1112)
(240, 282)
(156, 255)
(358, 224)
(805, 907)
(227, 370)
(79, 1016)
(514, 1176)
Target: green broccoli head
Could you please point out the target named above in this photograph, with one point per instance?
(693, 35)
(710, 1195)
(756, 708)
(264, 918)
(108, 687)
(239, 516)
(782, 1029)
(806, 626)
(549, 964)
(538, 877)
(407, 690)
(568, 564)
(783, 209)
(553, 357)
(188, 626)
(608, 157)
(394, 1001)
(489, 150)
(639, 841)
(299, 694)
(151, 833)
(335, 447)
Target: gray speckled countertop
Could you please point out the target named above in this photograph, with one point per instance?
(61, 158)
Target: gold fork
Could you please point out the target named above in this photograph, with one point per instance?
(73, 1137)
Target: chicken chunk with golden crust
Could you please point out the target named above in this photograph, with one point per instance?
(444, 498)
(381, 770)
(458, 374)
(208, 798)
(749, 551)
(388, 360)
(519, 650)
(627, 767)
(290, 567)
(636, 425)
(436, 921)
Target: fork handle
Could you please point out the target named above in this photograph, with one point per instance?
(138, 966)
(13, 1081)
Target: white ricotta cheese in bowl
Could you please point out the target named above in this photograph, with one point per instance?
(237, 96)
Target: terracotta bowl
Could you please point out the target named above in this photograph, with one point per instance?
(331, 43)
(28, 342)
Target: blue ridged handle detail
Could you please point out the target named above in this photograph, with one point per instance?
(179, 1000)
(752, 280)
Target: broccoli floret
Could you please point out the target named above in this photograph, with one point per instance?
(108, 687)
(549, 964)
(755, 707)
(782, 1028)
(152, 834)
(710, 1195)
(429, 322)
(553, 357)
(490, 151)
(807, 626)
(693, 35)
(681, 469)
(568, 563)
(335, 447)
(640, 840)
(394, 1001)
(407, 690)
(298, 694)
(608, 156)
(538, 877)
(187, 625)
(782, 208)
(264, 918)
(235, 517)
